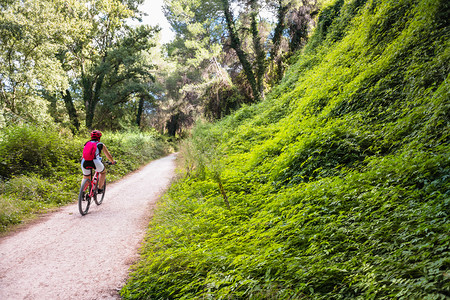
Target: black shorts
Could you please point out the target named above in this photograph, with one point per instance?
(96, 164)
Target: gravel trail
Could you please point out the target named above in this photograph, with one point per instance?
(67, 256)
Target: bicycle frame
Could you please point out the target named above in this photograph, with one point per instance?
(94, 181)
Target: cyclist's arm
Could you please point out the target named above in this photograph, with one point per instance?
(108, 155)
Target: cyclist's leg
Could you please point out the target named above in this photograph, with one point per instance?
(100, 168)
(86, 172)
(84, 200)
(102, 178)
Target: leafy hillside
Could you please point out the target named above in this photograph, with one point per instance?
(337, 184)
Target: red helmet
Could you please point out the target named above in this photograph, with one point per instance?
(96, 135)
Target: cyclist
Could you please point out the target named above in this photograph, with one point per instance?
(96, 163)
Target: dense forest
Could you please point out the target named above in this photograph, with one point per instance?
(313, 138)
(82, 64)
(76, 64)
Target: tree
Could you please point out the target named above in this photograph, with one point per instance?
(108, 62)
(237, 44)
(131, 70)
(31, 32)
(200, 79)
(294, 19)
(106, 17)
(261, 33)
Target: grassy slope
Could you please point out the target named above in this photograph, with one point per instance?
(338, 183)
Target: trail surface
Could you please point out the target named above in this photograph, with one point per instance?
(67, 256)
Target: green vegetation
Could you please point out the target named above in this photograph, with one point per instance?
(228, 53)
(68, 66)
(338, 184)
(75, 62)
(40, 167)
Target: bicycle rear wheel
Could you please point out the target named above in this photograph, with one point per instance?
(99, 198)
(84, 201)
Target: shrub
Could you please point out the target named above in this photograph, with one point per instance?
(29, 149)
(9, 212)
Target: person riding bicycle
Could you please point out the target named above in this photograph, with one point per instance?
(96, 163)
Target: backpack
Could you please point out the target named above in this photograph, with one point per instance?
(89, 150)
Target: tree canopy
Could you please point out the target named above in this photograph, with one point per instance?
(60, 60)
(82, 65)
(230, 53)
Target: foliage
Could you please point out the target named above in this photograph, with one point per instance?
(227, 52)
(338, 183)
(109, 62)
(31, 32)
(40, 167)
(195, 75)
(60, 60)
(32, 150)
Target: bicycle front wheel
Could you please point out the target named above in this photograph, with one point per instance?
(99, 198)
(84, 201)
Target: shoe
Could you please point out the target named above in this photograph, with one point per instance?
(99, 191)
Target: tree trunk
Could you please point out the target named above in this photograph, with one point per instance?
(72, 112)
(173, 124)
(278, 33)
(140, 109)
(91, 92)
(275, 60)
(237, 46)
(91, 95)
(259, 51)
(298, 31)
(224, 195)
(88, 99)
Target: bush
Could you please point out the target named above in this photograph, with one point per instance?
(9, 212)
(29, 149)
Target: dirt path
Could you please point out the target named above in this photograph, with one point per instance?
(67, 256)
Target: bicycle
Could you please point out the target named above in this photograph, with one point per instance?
(88, 191)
